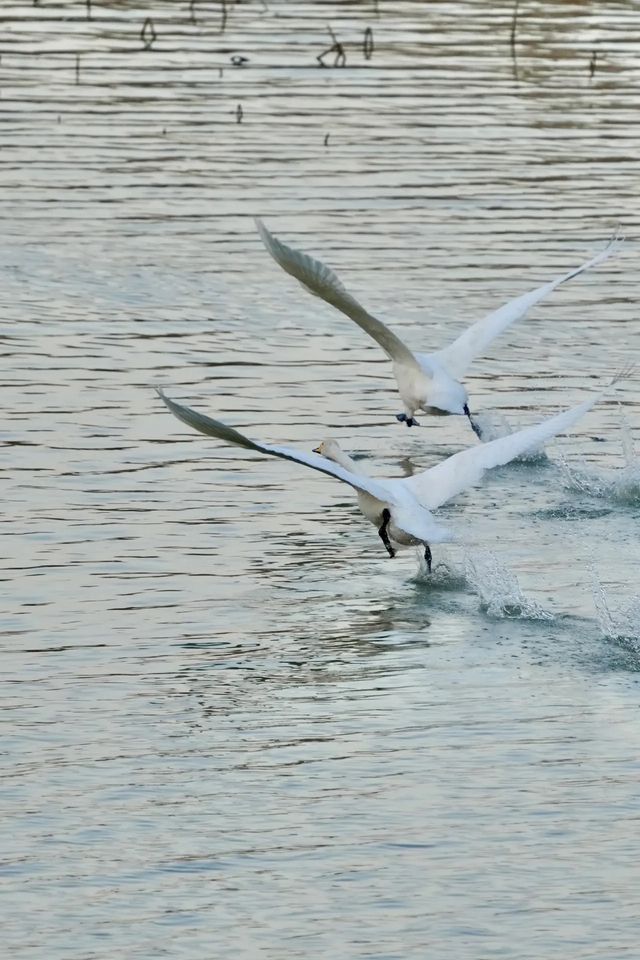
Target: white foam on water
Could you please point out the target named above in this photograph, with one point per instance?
(499, 591)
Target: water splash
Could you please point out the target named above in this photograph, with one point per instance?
(617, 483)
(442, 577)
(499, 592)
(622, 624)
(495, 425)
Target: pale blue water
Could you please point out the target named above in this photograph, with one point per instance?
(232, 726)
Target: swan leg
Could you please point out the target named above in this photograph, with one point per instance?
(474, 426)
(410, 421)
(428, 556)
(384, 536)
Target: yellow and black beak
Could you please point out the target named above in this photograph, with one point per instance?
(317, 450)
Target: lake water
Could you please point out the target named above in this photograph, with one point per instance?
(232, 726)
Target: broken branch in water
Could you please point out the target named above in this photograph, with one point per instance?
(513, 39)
(337, 48)
(367, 43)
(224, 13)
(148, 34)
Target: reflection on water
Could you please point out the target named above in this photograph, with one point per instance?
(230, 719)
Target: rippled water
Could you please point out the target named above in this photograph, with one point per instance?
(233, 727)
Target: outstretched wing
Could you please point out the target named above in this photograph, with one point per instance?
(322, 282)
(457, 357)
(444, 481)
(215, 428)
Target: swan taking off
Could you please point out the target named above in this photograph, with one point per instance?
(400, 508)
(426, 381)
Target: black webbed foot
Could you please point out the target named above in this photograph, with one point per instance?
(474, 426)
(410, 421)
(428, 556)
(384, 536)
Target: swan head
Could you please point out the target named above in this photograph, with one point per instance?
(330, 449)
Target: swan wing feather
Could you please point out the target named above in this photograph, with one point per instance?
(215, 428)
(457, 357)
(322, 282)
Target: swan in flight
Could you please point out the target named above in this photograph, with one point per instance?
(426, 381)
(401, 508)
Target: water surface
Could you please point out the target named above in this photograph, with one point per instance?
(232, 725)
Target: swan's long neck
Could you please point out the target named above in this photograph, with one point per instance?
(344, 460)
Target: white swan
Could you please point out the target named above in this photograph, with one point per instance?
(400, 508)
(426, 381)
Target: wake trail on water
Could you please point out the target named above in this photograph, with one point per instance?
(502, 598)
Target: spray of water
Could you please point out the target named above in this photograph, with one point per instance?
(620, 623)
(499, 592)
(619, 483)
(443, 577)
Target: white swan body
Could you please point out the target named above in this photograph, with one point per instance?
(401, 508)
(444, 395)
(426, 381)
(371, 507)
